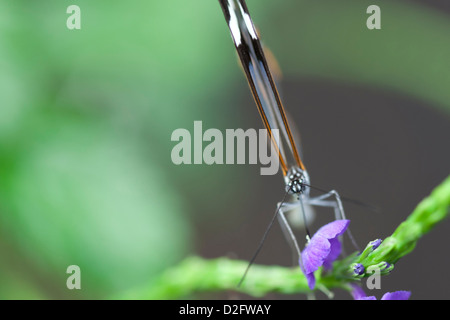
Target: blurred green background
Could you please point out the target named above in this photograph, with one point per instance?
(86, 118)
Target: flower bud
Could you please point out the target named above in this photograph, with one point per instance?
(372, 246)
(357, 269)
(383, 268)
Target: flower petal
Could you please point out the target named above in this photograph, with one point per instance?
(396, 295)
(357, 292)
(315, 253)
(311, 280)
(335, 251)
(368, 298)
(333, 229)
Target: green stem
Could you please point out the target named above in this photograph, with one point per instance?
(195, 275)
(425, 216)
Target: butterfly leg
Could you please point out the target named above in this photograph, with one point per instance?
(336, 204)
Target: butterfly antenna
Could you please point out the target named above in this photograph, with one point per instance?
(263, 239)
(350, 200)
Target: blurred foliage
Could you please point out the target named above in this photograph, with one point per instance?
(86, 118)
(330, 40)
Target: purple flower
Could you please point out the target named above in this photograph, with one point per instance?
(358, 269)
(359, 294)
(375, 244)
(396, 295)
(323, 248)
